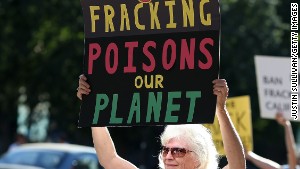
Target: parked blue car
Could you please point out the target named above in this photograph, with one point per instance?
(53, 156)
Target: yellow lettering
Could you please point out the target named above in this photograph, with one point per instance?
(138, 82)
(171, 4)
(94, 17)
(109, 14)
(136, 16)
(208, 16)
(188, 13)
(149, 83)
(153, 13)
(159, 79)
(124, 18)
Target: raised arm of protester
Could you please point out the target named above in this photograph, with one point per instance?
(232, 143)
(261, 162)
(103, 143)
(289, 140)
(265, 163)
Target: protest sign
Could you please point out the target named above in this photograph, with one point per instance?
(150, 63)
(273, 76)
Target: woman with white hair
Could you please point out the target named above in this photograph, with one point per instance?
(187, 146)
(192, 140)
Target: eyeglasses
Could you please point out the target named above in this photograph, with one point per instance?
(175, 151)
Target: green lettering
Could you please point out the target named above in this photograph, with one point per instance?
(193, 95)
(135, 107)
(113, 118)
(100, 106)
(154, 106)
(172, 107)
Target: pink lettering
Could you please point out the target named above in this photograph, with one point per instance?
(112, 47)
(92, 56)
(172, 44)
(130, 68)
(206, 53)
(187, 55)
(149, 68)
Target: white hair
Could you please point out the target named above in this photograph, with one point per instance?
(199, 140)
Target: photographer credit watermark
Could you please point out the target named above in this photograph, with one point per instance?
(294, 60)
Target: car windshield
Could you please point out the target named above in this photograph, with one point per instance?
(47, 159)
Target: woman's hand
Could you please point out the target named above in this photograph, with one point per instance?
(220, 89)
(281, 120)
(83, 87)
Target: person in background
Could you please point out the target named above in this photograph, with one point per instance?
(187, 146)
(264, 163)
(20, 139)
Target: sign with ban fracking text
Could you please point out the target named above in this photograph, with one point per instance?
(273, 76)
(150, 63)
(239, 109)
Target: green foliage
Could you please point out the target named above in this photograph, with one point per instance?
(41, 49)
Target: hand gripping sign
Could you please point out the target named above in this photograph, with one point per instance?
(150, 63)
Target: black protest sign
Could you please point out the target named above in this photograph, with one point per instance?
(150, 63)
